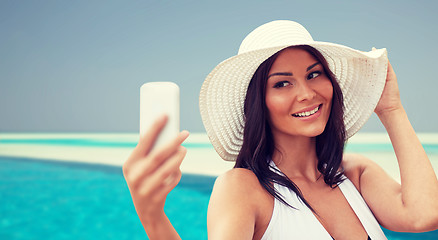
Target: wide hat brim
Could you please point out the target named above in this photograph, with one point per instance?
(361, 77)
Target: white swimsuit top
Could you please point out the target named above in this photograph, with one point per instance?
(301, 223)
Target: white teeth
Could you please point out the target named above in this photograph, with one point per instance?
(306, 114)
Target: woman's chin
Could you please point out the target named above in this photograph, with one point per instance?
(314, 133)
(310, 131)
(304, 132)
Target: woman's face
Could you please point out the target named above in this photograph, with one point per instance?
(298, 94)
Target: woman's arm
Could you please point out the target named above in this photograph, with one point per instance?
(413, 205)
(234, 204)
(151, 175)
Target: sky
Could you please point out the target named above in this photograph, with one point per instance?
(77, 66)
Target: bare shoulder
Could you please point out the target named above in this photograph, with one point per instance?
(353, 161)
(354, 166)
(235, 205)
(236, 175)
(238, 182)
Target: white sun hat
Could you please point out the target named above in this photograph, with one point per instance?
(361, 77)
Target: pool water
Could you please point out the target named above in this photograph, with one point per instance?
(55, 200)
(60, 200)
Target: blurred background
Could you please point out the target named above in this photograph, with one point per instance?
(77, 66)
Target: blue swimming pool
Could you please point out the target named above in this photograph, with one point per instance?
(59, 200)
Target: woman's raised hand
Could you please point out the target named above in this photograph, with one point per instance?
(151, 173)
(410, 206)
(390, 99)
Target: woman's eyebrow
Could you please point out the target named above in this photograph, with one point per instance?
(280, 74)
(289, 73)
(311, 66)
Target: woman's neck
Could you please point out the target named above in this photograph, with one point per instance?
(296, 157)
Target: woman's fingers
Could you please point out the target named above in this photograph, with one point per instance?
(391, 73)
(151, 173)
(146, 142)
(390, 98)
(169, 185)
(165, 178)
(159, 155)
(145, 166)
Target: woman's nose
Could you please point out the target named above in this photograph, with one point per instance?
(305, 92)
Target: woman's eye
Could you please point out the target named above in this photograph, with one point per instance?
(281, 84)
(313, 75)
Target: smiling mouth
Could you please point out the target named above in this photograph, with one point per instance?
(307, 114)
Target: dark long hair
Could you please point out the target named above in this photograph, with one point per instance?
(258, 142)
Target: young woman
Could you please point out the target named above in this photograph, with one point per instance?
(283, 109)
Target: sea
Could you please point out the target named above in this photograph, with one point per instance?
(70, 186)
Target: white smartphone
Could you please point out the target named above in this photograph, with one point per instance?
(157, 98)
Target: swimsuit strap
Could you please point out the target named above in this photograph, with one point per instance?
(361, 209)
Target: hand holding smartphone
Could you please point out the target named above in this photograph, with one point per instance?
(152, 175)
(156, 99)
